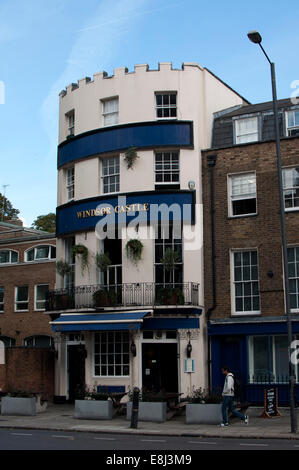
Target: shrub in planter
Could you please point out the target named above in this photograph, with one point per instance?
(204, 407)
(105, 298)
(103, 261)
(63, 268)
(152, 406)
(94, 405)
(170, 296)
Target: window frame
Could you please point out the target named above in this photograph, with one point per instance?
(233, 282)
(21, 301)
(70, 123)
(10, 256)
(295, 126)
(291, 188)
(237, 133)
(105, 114)
(97, 363)
(2, 292)
(165, 107)
(34, 338)
(244, 197)
(35, 297)
(116, 183)
(37, 260)
(294, 278)
(70, 183)
(163, 170)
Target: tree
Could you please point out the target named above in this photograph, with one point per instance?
(47, 222)
(7, 211)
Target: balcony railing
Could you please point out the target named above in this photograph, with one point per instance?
(142, 294)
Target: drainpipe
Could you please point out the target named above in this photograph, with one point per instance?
(211, 160)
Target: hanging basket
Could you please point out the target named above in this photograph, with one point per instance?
(82, 251)
(130, 157)
(134, 249)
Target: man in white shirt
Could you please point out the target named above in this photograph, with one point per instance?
(228, 398)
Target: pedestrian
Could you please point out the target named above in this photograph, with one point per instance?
(228, 398)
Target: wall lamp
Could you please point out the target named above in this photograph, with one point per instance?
(133, 349)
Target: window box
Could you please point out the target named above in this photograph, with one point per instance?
(94, 409)
(203, 413)
(17, 406)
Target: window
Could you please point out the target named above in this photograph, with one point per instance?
(110, 174)
(41, 252)
(1, 299)
(246, 130)
(111, 354)
(245, 282)
(169, 242)
(8, 342)
(293, 269)
(40, 296)
(39, 342)
(166, 105)
(8, 256)
(290, 180)
(167, 168)
(293, 123)
(21, 298)
(113, 274)
(70, 119)
(70, 183)
(110, 112)
(242, 190)
(268, 359)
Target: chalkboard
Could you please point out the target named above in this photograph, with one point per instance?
(270, 403)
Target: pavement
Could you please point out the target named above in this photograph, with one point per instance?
(61, 418)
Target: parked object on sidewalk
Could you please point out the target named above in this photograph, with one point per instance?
(203, 407)
(270, 403)
(18, 406)
(94, 409)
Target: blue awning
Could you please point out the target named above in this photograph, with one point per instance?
(99, 321)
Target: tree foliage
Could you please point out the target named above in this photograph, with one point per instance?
(47, 222)
(7, 211)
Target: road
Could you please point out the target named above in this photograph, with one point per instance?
(18, 439)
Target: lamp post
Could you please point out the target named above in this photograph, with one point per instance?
(256, 38)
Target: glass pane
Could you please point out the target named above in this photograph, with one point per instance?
(261, 356)
(22, 293)
(14, 256)
(4, 256)
(42, 252)
(281, 357)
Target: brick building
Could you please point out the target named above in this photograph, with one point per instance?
(244, 289)
(27, 272)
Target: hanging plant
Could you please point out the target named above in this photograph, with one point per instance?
(130, 157)
(103, 261)
(63, 268)
(83, 252)
(134, 249)
(170, 259)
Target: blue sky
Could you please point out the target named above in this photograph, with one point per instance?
(47, 45)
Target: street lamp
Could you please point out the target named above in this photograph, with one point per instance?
(256, 38)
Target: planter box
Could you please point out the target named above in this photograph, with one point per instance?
(94, 409)
(201, 413)
(149, 411)
(18, 406)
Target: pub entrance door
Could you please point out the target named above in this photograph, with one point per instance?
(160, 367)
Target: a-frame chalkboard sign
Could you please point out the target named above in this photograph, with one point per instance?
(270, 403)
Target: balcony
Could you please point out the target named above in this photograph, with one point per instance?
(142, 294)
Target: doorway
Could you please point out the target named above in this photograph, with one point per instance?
(76, 370)
(160, 367)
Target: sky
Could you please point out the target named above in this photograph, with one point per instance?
(46, 45)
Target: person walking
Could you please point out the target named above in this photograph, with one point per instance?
(228, 398)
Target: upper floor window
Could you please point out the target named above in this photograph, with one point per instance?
(293, 270)
(39, 341)
(246, 130)
(70, 122)
(8, 256)
(70, 183)
(246, 296)
(242, 193)
(166, 105)
(21, 298)
(290, 178)
(293, 123)
(41, 252)
(110, 112)
(110, 174)
(40, 296)
(167, 168)
(1, 299)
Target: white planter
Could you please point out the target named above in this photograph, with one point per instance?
(202, 413)
(18, 406)
(149, 411)
(94, 409)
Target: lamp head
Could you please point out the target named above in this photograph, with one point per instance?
(255, 37)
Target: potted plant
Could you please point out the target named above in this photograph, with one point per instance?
(152, 406)
(204, 407)
(170, 259)
(130, 157)
(103, 261)
(82, 251)
(63, 267)
(170, 296)
(92, 404)
(134, 249)
(105, 298)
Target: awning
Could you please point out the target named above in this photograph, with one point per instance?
(99, 321)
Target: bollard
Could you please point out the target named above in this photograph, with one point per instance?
(135, 406)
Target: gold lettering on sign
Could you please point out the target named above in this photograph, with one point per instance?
(118, 210)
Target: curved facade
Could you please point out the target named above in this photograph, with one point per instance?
(129, 168)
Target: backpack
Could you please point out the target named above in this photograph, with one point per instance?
(237, 387)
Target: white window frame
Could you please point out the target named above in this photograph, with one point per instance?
(116, 174)
(70, 121)
(10, 256)
(35, 248)
(70, 183)
(235, 312)
(168, 106)
(2, 291)
(110, 117)
(17, 302)
(291, 189)
(294, 278)
(40, 301)
(98, 363)
(163, 170)
(243, 137)
(34, 338)
(244, 196)
(295, 126)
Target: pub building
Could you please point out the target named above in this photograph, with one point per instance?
(128, 307)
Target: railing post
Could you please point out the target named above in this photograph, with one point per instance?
(135, 407)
